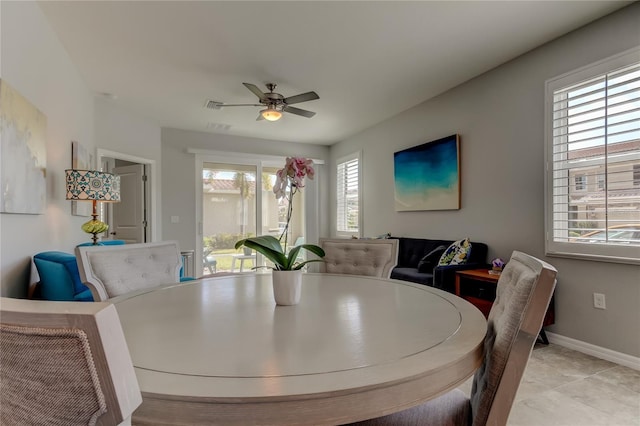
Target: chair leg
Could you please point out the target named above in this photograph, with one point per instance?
(542, 337)
(211, 265)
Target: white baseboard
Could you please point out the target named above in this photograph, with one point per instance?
(597, 351)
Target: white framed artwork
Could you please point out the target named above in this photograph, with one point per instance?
(23, 154)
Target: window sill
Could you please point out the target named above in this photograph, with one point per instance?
(594, 257)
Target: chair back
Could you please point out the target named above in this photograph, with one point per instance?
(374, 258)
(111, 271)
(64, 363)
(523, 293)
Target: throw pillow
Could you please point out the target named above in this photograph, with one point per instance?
(456, 254)
(430, 260)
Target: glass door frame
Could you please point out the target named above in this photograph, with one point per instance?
(259, 162)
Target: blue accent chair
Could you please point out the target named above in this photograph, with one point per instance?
(59, 276)
(60, 279)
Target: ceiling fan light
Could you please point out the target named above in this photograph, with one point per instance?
(271, 114)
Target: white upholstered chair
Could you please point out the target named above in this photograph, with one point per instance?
(523, 294)
(374, 258)
(64, 363)
(111, 271)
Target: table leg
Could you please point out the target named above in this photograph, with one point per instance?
(233, 264)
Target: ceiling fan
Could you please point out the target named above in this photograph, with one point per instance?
(276, 103)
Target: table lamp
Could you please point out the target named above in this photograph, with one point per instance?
(94, 186)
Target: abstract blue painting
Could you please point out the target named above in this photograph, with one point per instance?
(427, 176)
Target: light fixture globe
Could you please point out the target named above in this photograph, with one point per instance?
(271, 114)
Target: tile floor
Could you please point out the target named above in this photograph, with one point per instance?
(562, 387)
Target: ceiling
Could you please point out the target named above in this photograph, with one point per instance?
(367, 60)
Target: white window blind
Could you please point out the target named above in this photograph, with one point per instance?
(593, 137)
(348, 195)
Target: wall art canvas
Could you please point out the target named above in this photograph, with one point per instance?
(427, 176)
(23, 154)
(81, 159)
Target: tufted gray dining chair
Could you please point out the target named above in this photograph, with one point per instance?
(111, 271)
(375, 258)
(64, 363)
(523, 294)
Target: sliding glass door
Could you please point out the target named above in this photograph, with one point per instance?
(238, 200)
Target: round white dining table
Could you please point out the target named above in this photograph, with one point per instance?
(220, 351)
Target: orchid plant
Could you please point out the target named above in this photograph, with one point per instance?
(289, 180)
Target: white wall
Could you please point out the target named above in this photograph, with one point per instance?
(500, 117)
(179, 175)
(120, 131)
(35, 64)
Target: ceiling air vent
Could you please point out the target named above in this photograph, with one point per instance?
(212, 104)
(218, 127)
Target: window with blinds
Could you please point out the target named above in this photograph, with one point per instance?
(593, 147)
(348, 195)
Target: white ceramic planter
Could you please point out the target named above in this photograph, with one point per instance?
(287, 286)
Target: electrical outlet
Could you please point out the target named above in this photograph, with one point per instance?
(599, 301)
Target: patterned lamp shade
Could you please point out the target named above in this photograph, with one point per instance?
(89, 185)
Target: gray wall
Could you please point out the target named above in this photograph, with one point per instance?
(500, 118)
(179, 174)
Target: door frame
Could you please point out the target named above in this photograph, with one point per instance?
(152, 186)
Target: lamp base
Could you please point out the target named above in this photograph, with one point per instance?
(95, 227)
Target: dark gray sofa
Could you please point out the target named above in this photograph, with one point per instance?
(412, 250)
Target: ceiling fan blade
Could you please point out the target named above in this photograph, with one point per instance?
(260, 117)
(228, 105)
(256, 91)
(303, 97)
(298, 111)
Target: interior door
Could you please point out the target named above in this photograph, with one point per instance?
(129, 216)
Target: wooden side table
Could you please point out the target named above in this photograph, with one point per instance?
(477, 275)
(483, 275)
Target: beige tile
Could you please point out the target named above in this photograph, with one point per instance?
(573, 362)
(530, 388)
(555, 366)
(624, 377)
(562, 387)
(604, 396)
(553, 408)
(552, 375)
